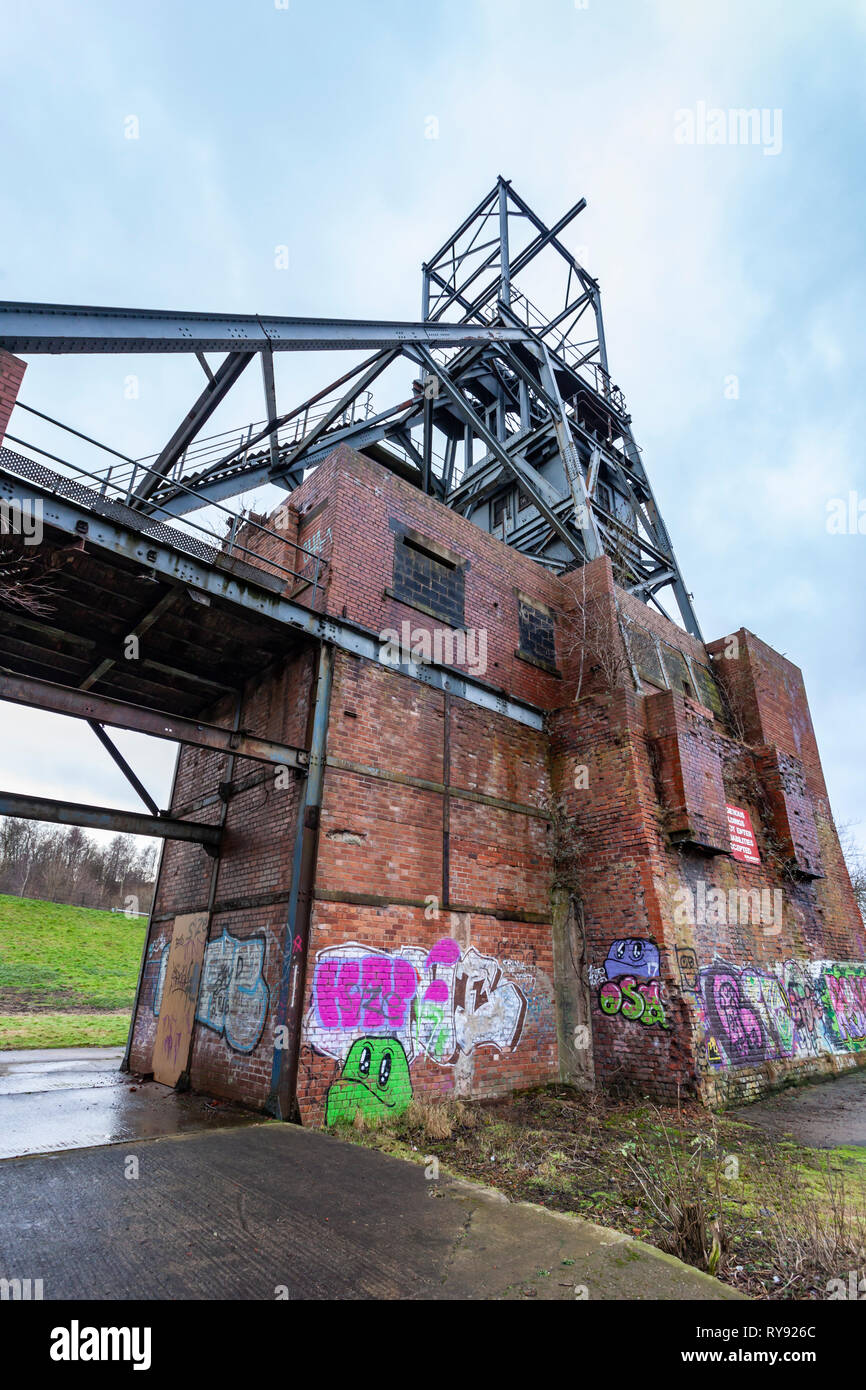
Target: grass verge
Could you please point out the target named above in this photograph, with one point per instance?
(67, 974)
(64, 1030)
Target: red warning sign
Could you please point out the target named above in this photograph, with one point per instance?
(744, 846)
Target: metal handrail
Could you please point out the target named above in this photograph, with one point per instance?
(178, 524)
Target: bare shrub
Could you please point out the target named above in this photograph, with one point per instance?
(855, 862)
(438, 1119)
(676, 1185)
(25, 578)
(593, 635)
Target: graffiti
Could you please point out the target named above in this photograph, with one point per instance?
(629, 985)
(637, 1000)
(687, 963)
(730, 1016)
(805, 1007)
(797, 1009)
(632, 956)
(844, 999)
(770, 1002)
(435, 1003)
(233, 998)
(375, 1082)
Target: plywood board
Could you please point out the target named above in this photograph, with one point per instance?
(179, 995)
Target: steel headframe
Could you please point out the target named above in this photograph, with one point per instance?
(513, 419)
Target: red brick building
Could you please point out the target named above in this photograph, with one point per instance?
(615, 863)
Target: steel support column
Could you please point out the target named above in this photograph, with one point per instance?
(288, 1021)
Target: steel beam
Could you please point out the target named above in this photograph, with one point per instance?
(290, 1002)
(106, 818)
(84, 704)
(378, 365)
(513, 465)
(115, 753)
(147, 621)
(519, 263)
(215, 392)
(270, 402)
(69, 328)
(154, 554)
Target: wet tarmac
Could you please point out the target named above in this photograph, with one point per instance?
(274, 1212)
(828, 1115)
(76, 1098)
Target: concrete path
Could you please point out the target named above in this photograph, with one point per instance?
(829, 1115)
(273, 1210)
(72, 1098)
(58, 1068)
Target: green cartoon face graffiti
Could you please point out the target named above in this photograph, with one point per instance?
(375, 1082)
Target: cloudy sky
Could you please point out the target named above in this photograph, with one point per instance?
(732, 274)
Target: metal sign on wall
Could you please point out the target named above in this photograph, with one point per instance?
(744, 846)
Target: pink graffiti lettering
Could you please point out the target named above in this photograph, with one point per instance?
(445, 952)
(375, 992)
(736, 1024)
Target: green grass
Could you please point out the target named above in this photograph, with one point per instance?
(64, 1030)
(67, 974)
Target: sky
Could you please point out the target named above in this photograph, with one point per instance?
(358, 136)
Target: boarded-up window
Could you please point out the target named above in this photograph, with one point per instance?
(644, 654)
(426, 578)
(537, 635)
(679, 676)
(708, 691)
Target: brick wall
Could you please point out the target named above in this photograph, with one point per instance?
(434, 877)
(12, 371)
(233, 1038)
(448, 833)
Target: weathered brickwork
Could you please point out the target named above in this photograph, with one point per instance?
(681, 817)
(11, 375)
(537, 632)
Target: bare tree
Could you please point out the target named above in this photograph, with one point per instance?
(64, 864)
(594, 637)
(24, 577)
(855, 860)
